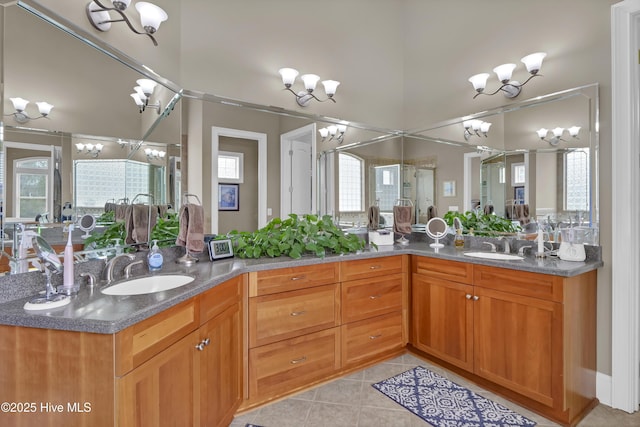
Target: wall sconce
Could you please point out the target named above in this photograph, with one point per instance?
(89, 149)
(557, 134)
(475, 127)
(510, 88)
(310, 80)
(151, 16)
(153, 154)
(333, 132)
(20, 106)
(143, 93)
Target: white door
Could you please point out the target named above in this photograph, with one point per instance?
(297, 179)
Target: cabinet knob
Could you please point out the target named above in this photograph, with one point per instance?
(468, 296)
(300, 360)
(297, 313)
(375, 296)
(202, 344)
(476, 298)
(375, 337)
(375, 267)
(298, 277)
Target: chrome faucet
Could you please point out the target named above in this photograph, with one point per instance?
(507, 246)
(493, 247)
(109, 266)
(523, 248)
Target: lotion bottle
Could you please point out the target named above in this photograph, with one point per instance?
(154, 258)
(67, 275)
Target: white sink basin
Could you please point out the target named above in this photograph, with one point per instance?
(148, 285)
(493, 255)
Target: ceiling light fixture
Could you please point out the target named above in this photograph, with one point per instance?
(557, 134)
(333, 132)
(151, 16)
(90, 149)
(511, 88)
(475, 127)
(143, 93)
(310, 80)
(20, 105)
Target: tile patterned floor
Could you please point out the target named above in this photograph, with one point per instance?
(352, 402)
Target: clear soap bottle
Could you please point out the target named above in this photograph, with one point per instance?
(459, 239)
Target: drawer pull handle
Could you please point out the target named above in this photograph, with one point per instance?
(375, 337)
(298, 313)
(468, 296)
(202, 344)
(375, 267)
(300, 360)
(476, 298)
(298, 277)
(375, 296)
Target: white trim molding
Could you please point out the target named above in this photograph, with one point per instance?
(625, 252)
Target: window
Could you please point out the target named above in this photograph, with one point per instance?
(351, 183)
(387, 188)
(576, 180)
(230, 167)
(31, 186)
(501, 175)
(518, 174)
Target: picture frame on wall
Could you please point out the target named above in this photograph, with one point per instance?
(518, 195)
(228, 197)
(449, 189)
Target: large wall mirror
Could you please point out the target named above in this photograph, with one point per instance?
(94, 146)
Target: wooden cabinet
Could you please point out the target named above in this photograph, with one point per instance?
(168, 378)
(527, 335)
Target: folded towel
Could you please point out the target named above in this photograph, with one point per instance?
(162, 210)
(121, 212)
(432, 212)
(374, 218)
(127, 217)
(143, 219)
(402, 219)
(109, 207)
(191, 228)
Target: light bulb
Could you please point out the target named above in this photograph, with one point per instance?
(479, 81)
(19, 104)
(151, 16)
(542, 133)
(574, 130)
(44, 108)
(557, 132)
(310, 81)
(288, 76)
(504, 72)
(533, 62)
(330, 87)
(147, 86)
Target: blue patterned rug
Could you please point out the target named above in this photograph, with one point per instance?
(443, 403)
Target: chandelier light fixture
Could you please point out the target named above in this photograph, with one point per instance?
(143, 93)
(333, 132)
(556, 134)
(303, 98)
(151, 16)
(510, 88)
(21, 116)
(92, 150)
(475, 127)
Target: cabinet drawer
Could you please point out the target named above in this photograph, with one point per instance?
(524, 283)
(366, 298)
(143, 340)
(289, 279)
(219, 298)
(367, 338)
(372, 267)
(455, 271)
(288, 314)
(285, 365)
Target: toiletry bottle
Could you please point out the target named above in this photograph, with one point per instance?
(459, 239)
(154, 258)
(67, 275)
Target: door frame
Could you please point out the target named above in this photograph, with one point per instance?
(625, 252)
(261, 140)
(285, 140)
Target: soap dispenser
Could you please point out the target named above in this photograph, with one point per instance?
(154, 258)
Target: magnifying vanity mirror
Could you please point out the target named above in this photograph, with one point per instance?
(436, 229)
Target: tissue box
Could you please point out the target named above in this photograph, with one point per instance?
(381, 237)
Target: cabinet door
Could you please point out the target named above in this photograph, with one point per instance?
(442, 319)
(518, 343)
(161, 391)
(220, 368)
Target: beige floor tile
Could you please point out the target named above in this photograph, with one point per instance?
(332, 415)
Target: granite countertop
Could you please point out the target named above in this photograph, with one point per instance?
(92, 311)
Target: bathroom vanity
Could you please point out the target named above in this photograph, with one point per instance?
(246, 332)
